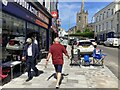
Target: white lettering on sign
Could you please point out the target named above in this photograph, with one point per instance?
(5, 2)
(27, 6)
(42, 17)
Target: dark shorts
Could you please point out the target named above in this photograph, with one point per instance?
(58, 68)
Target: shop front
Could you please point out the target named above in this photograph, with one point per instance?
(24, 20)
(19, 22)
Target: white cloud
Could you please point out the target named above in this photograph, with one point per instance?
(68, 13)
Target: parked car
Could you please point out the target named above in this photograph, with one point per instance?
(108, 42)
(85, 47)
(93, 42)
(112, 42)
(15, 44)
(116, 42)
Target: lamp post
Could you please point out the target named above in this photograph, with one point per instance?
(68, 27)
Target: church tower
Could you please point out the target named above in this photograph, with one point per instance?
(82, 18)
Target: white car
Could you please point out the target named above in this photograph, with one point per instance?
(16, 44)
(93, 42)
(112, 42)
(85, 47)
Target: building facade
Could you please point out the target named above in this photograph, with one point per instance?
(82, 18)
(72, 30)
(52, 7)
(21, 19)
(118, 21)
(106, 22)
(55, 20)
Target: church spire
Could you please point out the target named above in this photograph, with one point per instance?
(82, 6)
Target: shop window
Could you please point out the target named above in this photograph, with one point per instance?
(31, 29)
(11, 27)
(42, 38)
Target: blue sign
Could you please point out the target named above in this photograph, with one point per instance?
(17, 10)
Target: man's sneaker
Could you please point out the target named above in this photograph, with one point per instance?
(57, 86)
(29, 79)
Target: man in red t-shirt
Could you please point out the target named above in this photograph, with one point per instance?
(56, 51)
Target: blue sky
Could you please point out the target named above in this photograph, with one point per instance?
(68, 10)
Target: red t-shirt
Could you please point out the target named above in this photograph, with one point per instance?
(57, 51)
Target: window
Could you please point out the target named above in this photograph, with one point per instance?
(118, 29)
(96, 19)
(118, 16)
(103, 26)
(85, 20)
(111, 24)
(112, 11)
(99, 28)
(99, 18)
(43, 38)
(106, 25)
(107, 14)
(96, 28)
(12, 25)
(103, 16)
(79, 18)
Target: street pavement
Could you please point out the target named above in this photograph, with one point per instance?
(111, 60)
(72, 77)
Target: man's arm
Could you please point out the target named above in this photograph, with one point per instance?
(24, 52)
(36, 50)
(65, 52)
(67, 55)
(48, 57)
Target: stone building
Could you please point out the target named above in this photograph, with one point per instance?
(82, 18)
(107, 22)
(72, 30)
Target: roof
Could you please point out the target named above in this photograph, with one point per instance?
(104, 8)
(72, 27)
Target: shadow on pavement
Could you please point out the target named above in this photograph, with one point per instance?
(54, 75)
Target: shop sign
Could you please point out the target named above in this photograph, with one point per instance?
(29, 7)
(41, 23)
(54, 14)
(42, 17)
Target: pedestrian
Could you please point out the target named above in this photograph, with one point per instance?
(30, 53)
(34, 38)
(56, 51)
